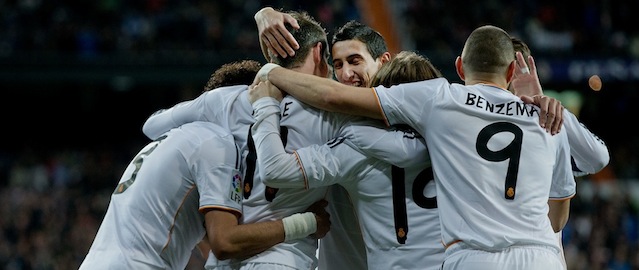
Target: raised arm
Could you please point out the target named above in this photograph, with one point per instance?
(526, 85)
(589, 153)
(273, 35)
(278, 168)
(323, 93)
(165, 119)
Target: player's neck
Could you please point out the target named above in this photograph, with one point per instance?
(492, 84)
(488, 78)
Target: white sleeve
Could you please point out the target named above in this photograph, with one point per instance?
(277, 168)
(219, 181)
(399, 145)
(185, 112)
(308, 167)
(563, 185)
(589, 153)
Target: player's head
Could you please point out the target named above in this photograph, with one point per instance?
(311, 37)
(519, 46)
(358, 52)
(487, 54)
(405, 67)
(235, 73)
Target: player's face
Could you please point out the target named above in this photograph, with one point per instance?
(353, 64)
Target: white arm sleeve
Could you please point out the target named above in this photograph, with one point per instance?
(399, 145)
(589, 152)
(277, 168)
(182, 113)
(563, 185)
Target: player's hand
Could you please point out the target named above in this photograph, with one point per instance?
(551, 114)
(323, 218)
(526, 80)
(264, 89)
(271, 25)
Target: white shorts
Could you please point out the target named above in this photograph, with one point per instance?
(528, 257)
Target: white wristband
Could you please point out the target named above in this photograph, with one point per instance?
(299, 225)
(262, 74)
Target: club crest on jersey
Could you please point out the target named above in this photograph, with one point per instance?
(236, 189)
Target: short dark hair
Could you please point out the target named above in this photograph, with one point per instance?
(307, 36)
(405, 67)
(520, 46)
(235, 73)
(488, 49)
(354, 30)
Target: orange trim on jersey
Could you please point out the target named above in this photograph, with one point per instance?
(562, 199)
(175, 217)
(207, 208)
(380, 107)
(451, 243)
(299, 163)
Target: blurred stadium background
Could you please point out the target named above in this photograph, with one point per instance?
(78, 79)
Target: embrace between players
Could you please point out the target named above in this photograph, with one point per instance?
(414, 176)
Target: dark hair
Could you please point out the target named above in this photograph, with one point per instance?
(405, 67)
(354, 30)
(235, 73)
(520, 46)
(488, 49)
(307, 36)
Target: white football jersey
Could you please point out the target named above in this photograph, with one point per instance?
(153, 220)
(589, 153)
(302, 125)
(493, 165)
(396, 207)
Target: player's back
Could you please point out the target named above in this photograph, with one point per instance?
(396, 207)
(152, 221)
(397, 210)
(301, 125)
(494, 165)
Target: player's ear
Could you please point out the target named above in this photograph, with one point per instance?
(320, 59)
(317, 53)
(510, 74)
(385, 58)
(459, 68)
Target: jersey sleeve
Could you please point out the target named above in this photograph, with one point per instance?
(399, 145)
(589, 153)
(277, 168)
(217, 174)
(165, 119)
(308, 167)
(563, 184)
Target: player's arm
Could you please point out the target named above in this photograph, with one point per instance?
(558, 213)
(204, 247)
(323, 93)
(280, 169)
(563, 187)
(399, 145)
(588, 151)
(165, 119)
(230, 240)
(526, 85)
(273, 35)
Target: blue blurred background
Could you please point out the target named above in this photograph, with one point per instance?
(78, 79)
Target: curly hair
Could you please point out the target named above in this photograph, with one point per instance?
(235, 73)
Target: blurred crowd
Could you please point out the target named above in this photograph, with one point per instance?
(52, 200)
(602, 27)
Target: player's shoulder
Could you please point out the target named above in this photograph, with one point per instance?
(226, 92)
